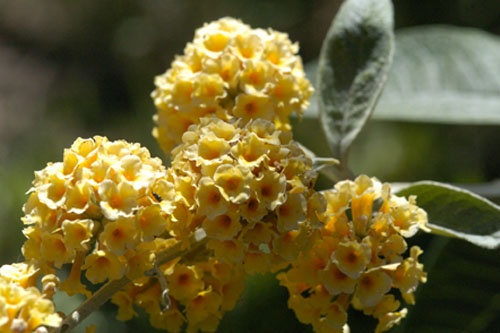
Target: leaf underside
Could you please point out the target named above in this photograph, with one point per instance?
(440, 74)
(353, 66)
(458, 213)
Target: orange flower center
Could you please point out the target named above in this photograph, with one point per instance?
(183, 279)
(253, 204)
(254, 78)
(116, 201)
(102, 262)
(117, 233)
(232, 183)
(284, 210)
(351, 257)
(366, 282)
(266, 190)
(225, 221)
(225, 74)
(250, 107)
(214, 197)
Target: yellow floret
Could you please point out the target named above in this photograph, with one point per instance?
(390, 319)
(231, 292)
(335, 317)
(77, 234)
(410, 272)
(171, 320)
(78, 198)
(251, 151)
(52, 193)
(351, 258)
(210, 201)
(208, 89)
(258, 233)
(101, 266)
(270, 189)
(117, 200)
(371, 288)
(54, 249)
(125, 306)
(387, 304)
(292, 212)
(223, 227)
(73, 285)
(253, 210)
(139, 260)
(253, 106)
(184, 282)
(335, 281)
(198, 293)
(203, 306)
(233, 182)
(290, 244)
(119, 235)
(229, 250)
(150, 222)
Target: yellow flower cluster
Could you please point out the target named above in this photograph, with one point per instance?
(249, 188)
(230, 70)
(22, 307)
(199, 294)
(358, 258)
(97, 210)
(236, 176)
(109, 208)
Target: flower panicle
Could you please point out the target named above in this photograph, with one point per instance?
(249, 188)
(358, 258)
(199, 294)
(230, 71)
(110, 210)
(97, 211)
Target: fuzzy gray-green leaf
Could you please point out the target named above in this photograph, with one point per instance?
(458, 213)
(440, 74)
(443, 74)
(353, 66)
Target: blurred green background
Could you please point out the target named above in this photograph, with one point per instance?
(81, 68)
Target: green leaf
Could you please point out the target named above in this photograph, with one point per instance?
(458, 213)
(443, 74)
(489, 190)
(353, 66)
(462, 284)
(440, 74)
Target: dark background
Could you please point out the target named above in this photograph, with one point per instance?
(81, 68)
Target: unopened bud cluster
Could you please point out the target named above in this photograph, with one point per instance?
(358, 259)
